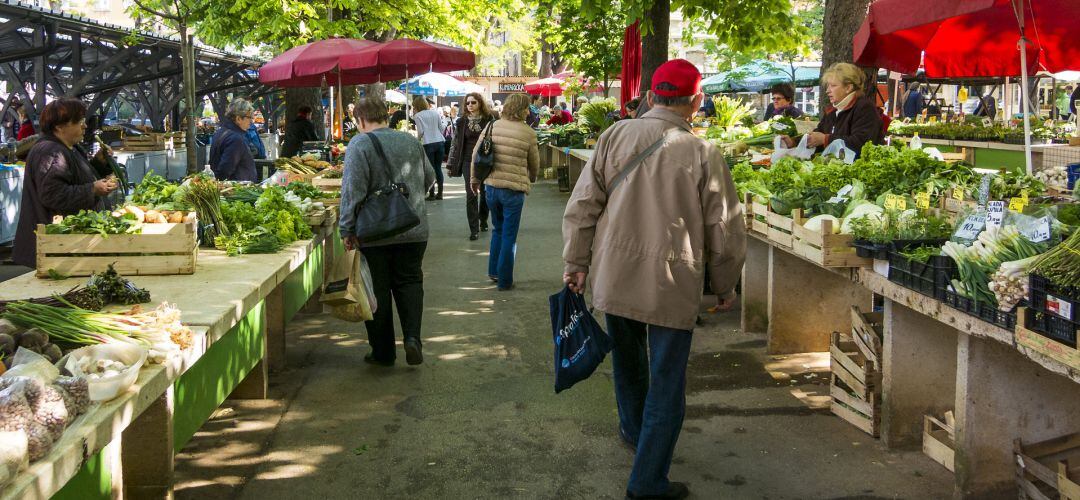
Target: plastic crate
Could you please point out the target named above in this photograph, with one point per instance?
(869, 250)
(985, 312)
(1052, 327)
(930, 278)
(1054, 310)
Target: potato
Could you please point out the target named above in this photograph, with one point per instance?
(155, 217)
(176, 217)
(140, 214)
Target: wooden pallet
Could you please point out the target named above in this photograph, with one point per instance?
(161, 249)
(939, 440)
(1049, 469)
(151, 141)
(825, 248)
(855, 385)
(1046, 346)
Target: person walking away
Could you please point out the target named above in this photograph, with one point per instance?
(429, 129)
(644, 238)
(61, 177)
(517, 163)
(396, 263)
(914, 102)
(783, 98)
(299, 131)
(467, 133)
(230, 156)
(26, 126)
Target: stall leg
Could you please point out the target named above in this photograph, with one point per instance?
(147, 452)
(807, 303)
(919, 373)
(275, 329)
(755, 287)
(255, 384)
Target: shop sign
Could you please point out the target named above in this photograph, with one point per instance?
(511, 86)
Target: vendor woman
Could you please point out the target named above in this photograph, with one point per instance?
(230, 158)
(61, 178)
(853, 118)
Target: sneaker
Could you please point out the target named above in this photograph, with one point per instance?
(483, 227)
(414, 352)
(474, 236)
(494, 279)
(369, 358)
(675, 491)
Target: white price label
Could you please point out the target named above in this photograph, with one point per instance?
(837, 199)
(971, 227)
(995, 213)
(778, 126)
(1040, 231)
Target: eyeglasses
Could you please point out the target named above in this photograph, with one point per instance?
(470, 103)
(778, 99)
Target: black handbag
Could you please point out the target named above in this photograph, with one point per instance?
(484, 159)
(386, 211)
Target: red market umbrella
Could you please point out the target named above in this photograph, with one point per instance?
(545, 87)
(631, 66)
(971, 38)
(309, 64)
(399, 59)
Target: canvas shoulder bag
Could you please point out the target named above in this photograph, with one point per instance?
(386, 211)
(484, 160)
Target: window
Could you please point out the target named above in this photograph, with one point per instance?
(806, 99)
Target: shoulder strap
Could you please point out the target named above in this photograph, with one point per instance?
(382, 156)
(636, 161)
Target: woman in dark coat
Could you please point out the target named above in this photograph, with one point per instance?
(854, 118)
(230, 157)
(467, 131)
(61, 178)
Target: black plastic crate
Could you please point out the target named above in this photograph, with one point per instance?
(961, 303)
(870, 250)
(1052, 327)
(992, 314)
(930, 278)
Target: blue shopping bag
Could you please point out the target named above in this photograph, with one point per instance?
(580, 343)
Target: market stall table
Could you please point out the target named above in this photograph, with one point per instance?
(576, 160)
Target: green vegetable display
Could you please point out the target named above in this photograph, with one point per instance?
(90, 222)
(157, 193)
(266, 225)
(304, 190)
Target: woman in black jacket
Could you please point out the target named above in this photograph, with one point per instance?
(467, 131)
(61, 178)
(854, 118)
(230, 157)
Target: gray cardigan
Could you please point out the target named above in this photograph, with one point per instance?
(364, 169)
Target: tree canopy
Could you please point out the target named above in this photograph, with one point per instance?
(592, 46)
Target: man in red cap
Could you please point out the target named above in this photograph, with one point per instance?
(652, 210)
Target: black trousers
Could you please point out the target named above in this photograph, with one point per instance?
(476, 207)
(396, 272)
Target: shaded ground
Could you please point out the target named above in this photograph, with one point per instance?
(480, 419)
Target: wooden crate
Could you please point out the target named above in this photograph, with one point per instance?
(825, 248)
(147, 142)
(1046, 346)
(868, 332)
(939, 440)
(329, 202)
(768, 224)
(855, 386)
(327, 217)
(160, 249)
(326, 184)
(1049, 469)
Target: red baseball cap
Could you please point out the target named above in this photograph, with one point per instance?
(676, 78)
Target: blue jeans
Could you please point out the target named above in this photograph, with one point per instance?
(505, 205)
(650, 389)
(434, 153)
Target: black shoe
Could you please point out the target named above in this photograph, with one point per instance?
(369, 358)
(506, 289)
(474, 236)
(438, 196)
(430, 197)
(626, 441)
(414, 352)
(483, 228)
(494, 279)
(675, 491)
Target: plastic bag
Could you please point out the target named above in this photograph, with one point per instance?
(280, 178)
(580, 343)
(106, 387)
(801, 151)
(934, 153)
(840, 150)
(14, 454)
(27, 363)
(350, 284)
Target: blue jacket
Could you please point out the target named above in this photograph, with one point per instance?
(230, 158)
(252, 136)
(914, 105)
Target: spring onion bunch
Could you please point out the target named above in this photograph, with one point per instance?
(1061, 265)
(976, 263)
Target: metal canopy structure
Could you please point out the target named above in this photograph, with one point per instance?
(45, 52)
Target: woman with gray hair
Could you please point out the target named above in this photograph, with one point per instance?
(230, 157)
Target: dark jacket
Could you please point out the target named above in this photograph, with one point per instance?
(59, 181)
(914, 104)
(464, 143)
(790, 111)
(858, 125)
(987, 107)
(1073, 98)
(230, 157)
(299, 130)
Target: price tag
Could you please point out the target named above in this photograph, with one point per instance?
(933, 119)
(895, 202)
(958, 193)
(922, 200)
(984, 189)
(1017, 204)
(778, 126)
(1024, 196)
(1040, 231)
(971, 227)
(995, 213)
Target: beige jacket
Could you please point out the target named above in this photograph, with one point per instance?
(646, 247)
(517, 157)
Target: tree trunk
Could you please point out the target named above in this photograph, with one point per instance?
(187, 59)
(842, 20)
(654, 45)
(545, 60)
(297, 97)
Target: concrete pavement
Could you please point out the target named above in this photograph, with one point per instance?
(480, 418)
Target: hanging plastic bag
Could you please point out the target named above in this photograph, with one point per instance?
(840, 150)
(349, 289)
(934, 153)
(580, 343)
(801, 151)
(280, 178)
